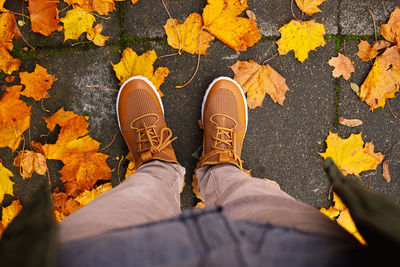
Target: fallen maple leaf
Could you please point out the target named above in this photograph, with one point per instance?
(189, 33)
(61, 118)
(309, 7)
(103, 7)
(350, 155)
(257, 80)
(301, 37)
(9, 213)
(63, 205)
(95, 35)
(131, 64)
(8, 30)
(131, 166)
(30, 162)
(44, 16)
(343, 66)
(37, 83)
(350, 122)
(84, 169)
(2, 9)
(331, 212)
(385, 171)
(221, 20)
(383, 80)
(391, 30)
(88, 196)
(8, 64)
(366, 51)
(6, 185)
(10, 78)
(76, 22)
(15, 117)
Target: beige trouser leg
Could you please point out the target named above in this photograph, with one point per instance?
(150, 194)
(254, 199)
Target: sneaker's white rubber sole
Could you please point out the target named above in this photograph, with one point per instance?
(208, 91)
(138, 77)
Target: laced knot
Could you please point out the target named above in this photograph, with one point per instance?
(225, 145)
(148, 139)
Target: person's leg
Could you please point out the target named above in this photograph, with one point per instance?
(222, 180)
(152, 192)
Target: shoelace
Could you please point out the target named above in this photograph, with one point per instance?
(225, 137)
(148, 135)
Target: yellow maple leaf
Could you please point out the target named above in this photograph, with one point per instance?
(189, 32)
(301, 37)
(383, 80)
(76, 22)
(131, 64)
(6, 185)
(9, 213)
(350, 155)
(15, 117)
(88, 196)
(2, 9)
(37, 83)
(331, 212)
(95, 35)
(338, 203)
(309, 7)
(30, 162)
(103, 7)
(257, 80)
(221, 20)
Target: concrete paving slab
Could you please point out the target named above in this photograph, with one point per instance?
(282, 143)
(111, 27)
(356, 20)
(379, 126)
(270, 16)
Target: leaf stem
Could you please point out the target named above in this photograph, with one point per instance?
(176, 29)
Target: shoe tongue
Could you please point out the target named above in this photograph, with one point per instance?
(147, 120)
(224, 121)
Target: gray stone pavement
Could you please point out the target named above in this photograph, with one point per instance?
(282, 143)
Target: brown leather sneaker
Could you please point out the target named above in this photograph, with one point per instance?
(141, 120)
(224, 120)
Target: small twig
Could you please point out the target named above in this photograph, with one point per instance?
(274, 56)
(83, 42)
(291, 8)
(59, 11)
(20, 14)
(119, 165)
(20, 158)
(169, 55)
(44, 135)
(22, 11)
(104, 87)
(42, 105)
(176, 29)
(198, 63)
(330, 191)
(390, 108)
(23, 38)
(373, 20)
(112, 141)
(97, 15)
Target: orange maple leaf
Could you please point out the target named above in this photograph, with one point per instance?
(83, 170)
(189, 32)
(366, 51)
(383, 80)
(94, 35)
(221, 20)
(44, 16)
(61, 117)
(37, 83)
(15, 117)
(257, 80)
(309, 6)
(103, 7)
(343, 66)
(63, 205)
(8, 30)
(9, 213)
(8, 64)
(391, 30)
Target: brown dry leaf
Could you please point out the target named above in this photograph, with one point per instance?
(10, 78)
(386, 173)
(383, 80)
(84, 169)
(350, 155)
(350, 122)
(44, 16)
(131, 64)
(366, 51)
(95, 35)
(257, 80)
(6, 185)
(37, 83)
(76, 22)
(343, 66)
(103, 7)
(221, 20)
(30, 162)
(63, 205)
(382, 44)
(301, 37)
(391, 30)
(189, 33)
(309, 7)
(15, 117)
(8, 214)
